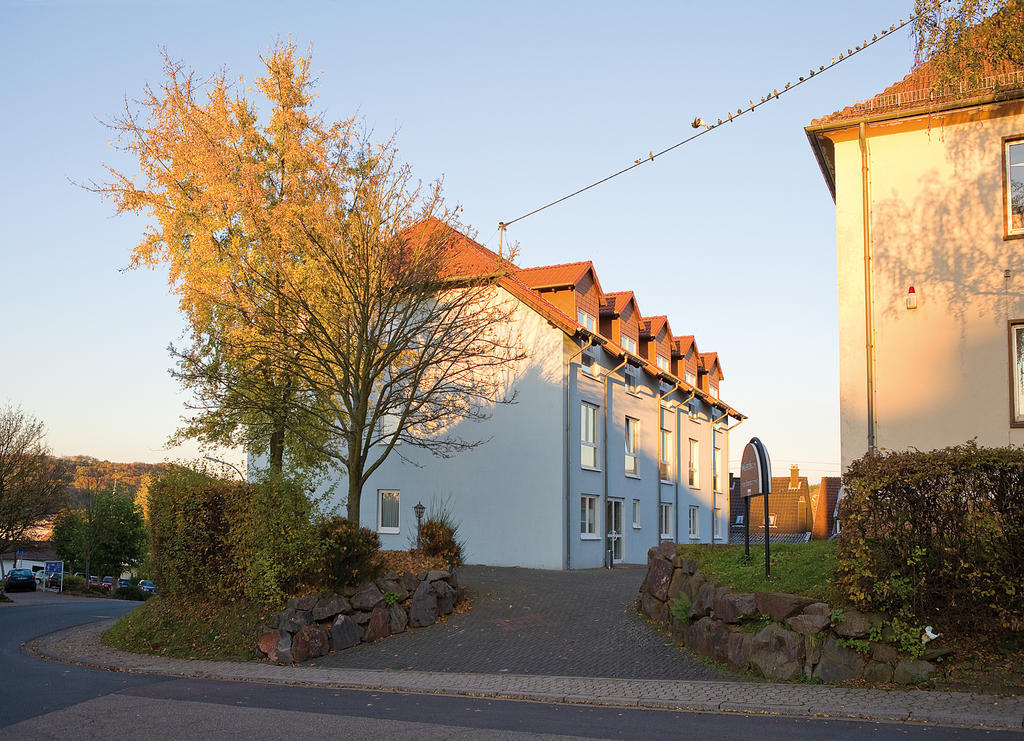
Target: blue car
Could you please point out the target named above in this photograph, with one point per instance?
(147, 586)
(20, 579)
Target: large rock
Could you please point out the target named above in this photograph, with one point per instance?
(379, 625)
(856, 624)
(445, 597)
(453, 579)
(687, 565)
(654, 608)
(665, 552)
(310, 643)
(734, 608)
(410, 582)
(678, 629)
(812, 652)
(282, 652)
(720, 634)
(878, 672)
(367, 597)
(327, 607)
(268, 641)
(838, 663)
(818, 608)
(423, 610)
(738, 650)
(675, 587)
(808, 624)
(293, 620)
(399, 618)
(701, 604)
(361, 618)
(913, 671)
(779, 606)
(461, 592)
(437, 575)
(389, 586)
(659, 575)
(936, 652)
(345, 633)
(778, 653)
(699, 636)
(692, 585)
(303, 603)
(885, 653)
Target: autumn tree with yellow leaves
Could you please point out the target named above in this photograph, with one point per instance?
(331, 317)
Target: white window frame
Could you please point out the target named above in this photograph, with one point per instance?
(662, 362)
(694, 522)
(1017, 373)
(588, 517)
(713, 391)
(667, 445)
(1017, 145)
(636, 514)
(586, 319)
(716, 470)
(629, 344)
(665, 523)
(693, 470)
(381, 527)
(691, 378)
(716, 528)
(632, 436)
(588, 435)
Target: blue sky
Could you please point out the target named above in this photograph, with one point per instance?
(514, 104)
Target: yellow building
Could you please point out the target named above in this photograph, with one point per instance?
(929, 193)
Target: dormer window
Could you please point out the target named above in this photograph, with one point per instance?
(629, 343)
(586, 319)
(663, 363)
(714, 391)
(691, 378)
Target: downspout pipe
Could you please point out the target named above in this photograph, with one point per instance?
(604, 449)
(677, 474)
(568, 449)
(869, 308)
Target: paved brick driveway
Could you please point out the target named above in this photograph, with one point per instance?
(527, 621)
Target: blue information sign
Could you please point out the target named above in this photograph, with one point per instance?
(53, 567)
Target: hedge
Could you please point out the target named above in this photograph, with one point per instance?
(936, 536)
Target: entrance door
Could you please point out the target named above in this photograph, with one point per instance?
(613, 516)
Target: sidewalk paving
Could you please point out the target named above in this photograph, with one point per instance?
(81, 645)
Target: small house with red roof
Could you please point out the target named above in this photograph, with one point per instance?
(612, 446)
(928, 184)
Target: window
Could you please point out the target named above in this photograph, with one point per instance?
(1013, 185)
(588, 517)
(586, 319)
(714, 523)
(691, 379)
(694, 472)
(714, 391)
(636, 513)
(739, 519)
(694, 522)
(589, 361)
(663, 363)
(665, 466)
(629, 343)
(387, 511)
(632, 444)
(1017, 374)
(588, 435)
(665, 520)
(631, 379)
(716, 469)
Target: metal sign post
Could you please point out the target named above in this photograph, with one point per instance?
(51, 569)
(756, 481)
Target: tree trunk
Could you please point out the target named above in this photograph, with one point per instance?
(277, 450)
(355, 490)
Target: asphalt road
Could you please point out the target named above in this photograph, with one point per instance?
(49, 700)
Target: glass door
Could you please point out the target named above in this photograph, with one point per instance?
(613, 516)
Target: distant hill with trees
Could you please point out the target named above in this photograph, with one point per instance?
(90, 475)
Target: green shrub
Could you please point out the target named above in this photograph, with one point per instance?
(229, 539)
(936, 537)
(133, 593)
(348, 553)
(439, 537)
(74, 583)
(681, 608)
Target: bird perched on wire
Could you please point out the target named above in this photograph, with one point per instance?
(698, 122)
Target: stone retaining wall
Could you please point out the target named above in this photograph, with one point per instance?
(801, 639)
(316, 625)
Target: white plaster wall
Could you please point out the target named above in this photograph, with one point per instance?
(942, 370)
(507, 493)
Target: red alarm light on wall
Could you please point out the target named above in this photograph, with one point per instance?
(911, 299)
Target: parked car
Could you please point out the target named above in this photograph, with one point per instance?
(94, 581)
(147, 586)
(107, 583)
(122, 583)
(53, 582)
(20, 579)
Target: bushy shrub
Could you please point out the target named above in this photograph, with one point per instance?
(132, 592)
(439, 537)
(936, 536)
(229, 539)
(348, 553)
(74, 583)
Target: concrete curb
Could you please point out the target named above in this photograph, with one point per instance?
(81, 646)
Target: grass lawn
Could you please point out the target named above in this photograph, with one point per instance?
(797, 568)
(189, 630)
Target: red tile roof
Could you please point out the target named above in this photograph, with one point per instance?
(616, 301)
(653, 324)
(550, 276)
(709, 360)
(682, 344)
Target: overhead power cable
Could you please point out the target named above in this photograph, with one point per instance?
(699, 123)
